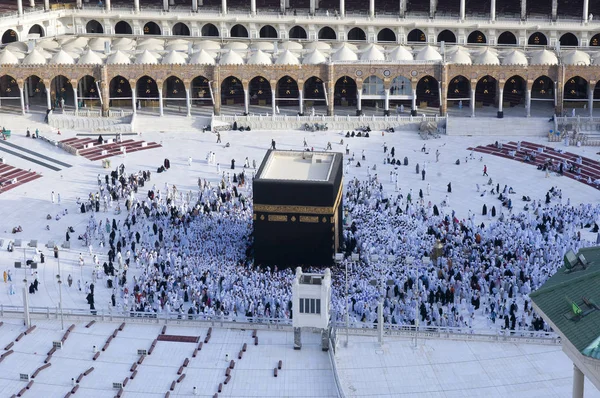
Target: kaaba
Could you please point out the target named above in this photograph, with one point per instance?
(298, 208)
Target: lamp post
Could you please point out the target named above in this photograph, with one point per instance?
(355, 257)
(375, 259)
(410, 264)
(25, 290)
(60, 303)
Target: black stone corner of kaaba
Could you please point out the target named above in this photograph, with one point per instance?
(298, 222)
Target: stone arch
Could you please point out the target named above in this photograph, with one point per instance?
(373, 85)
(459, 88)
(61, 89)
(575, 88)
(446, 36)
(37, 30)
(298, 32)
(174, 98)
(514, 91)
(10, 94)
(595, 40)
(152, 28)
(401, 86)
(537, 39)
(314, 94)
(232, 91)
(387, 35)
(476, 37)
(123, 28)
(344, 92)
(200, 92)
(146, 88)
(259, 90)
(180, 29)
(9, 36)
(287, 93)
(569, 40)
(268, 31)
(357, 34)
(94, 26)
(485, 91)
(209, 30)
(87, 91)
(542, 88)
(119, 92)
(416, 35)
(239, 31)
(428, 92)
(507, 38)
(35, 89)
(326, 33)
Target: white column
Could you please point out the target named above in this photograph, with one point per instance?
(31, 3)
(133, 100)
(301, 100)
(554, 9)
(359, 100)
(75, 98)
(46, 5)
(402, 7)
(586, 7)
(462, 10)
(223, 7)
(591, 99)
(165, 5)
(273, 102)
(246, 101)
(26, 93)
(500, 101)
(342, 8)
(432, 8)
(371, 8)
(253, 7)
(528, 100)
(313, 6)
(578, 379)
(22, 100)
(136, 5)
(414, 102)
(194, 5)
(493, 10)
(472, 102)
(48, 98)
(188, 102)
(107, 3)
(386, 101)
(79, 4)
(160, 102)
(20, 6)
(523, 10)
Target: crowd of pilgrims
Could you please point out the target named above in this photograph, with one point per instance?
(190, 253)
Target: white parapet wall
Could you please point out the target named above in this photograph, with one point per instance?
(482, 126)
(283, 122)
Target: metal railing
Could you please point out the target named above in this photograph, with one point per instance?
(390, 330)
(334, 118)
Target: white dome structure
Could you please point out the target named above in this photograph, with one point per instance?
(259, 57)
(317, 45)
(544, 57)
(8, 58)
(89, 58)
(207, 45)
(97, 43)
(486, 57)
(150, 46)
(400, 53)
(174, 58)
(146, 58)
(576, 57)
(124, 44)
(372, 53)
(178, 45)
(62, 58)
(287, 58)
(202, 58)
(459, 56)
(514, 57)
(118, 58)
(236, 45)
(35, 58)
(428, 54)
(231, 58)
(314, 57)
(344, 54)
(291, 45)
(263, 45)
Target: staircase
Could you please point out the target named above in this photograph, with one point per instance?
(157, 124)
(482, 126)
(96, 124)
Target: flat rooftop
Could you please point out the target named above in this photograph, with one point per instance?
(298, 165)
